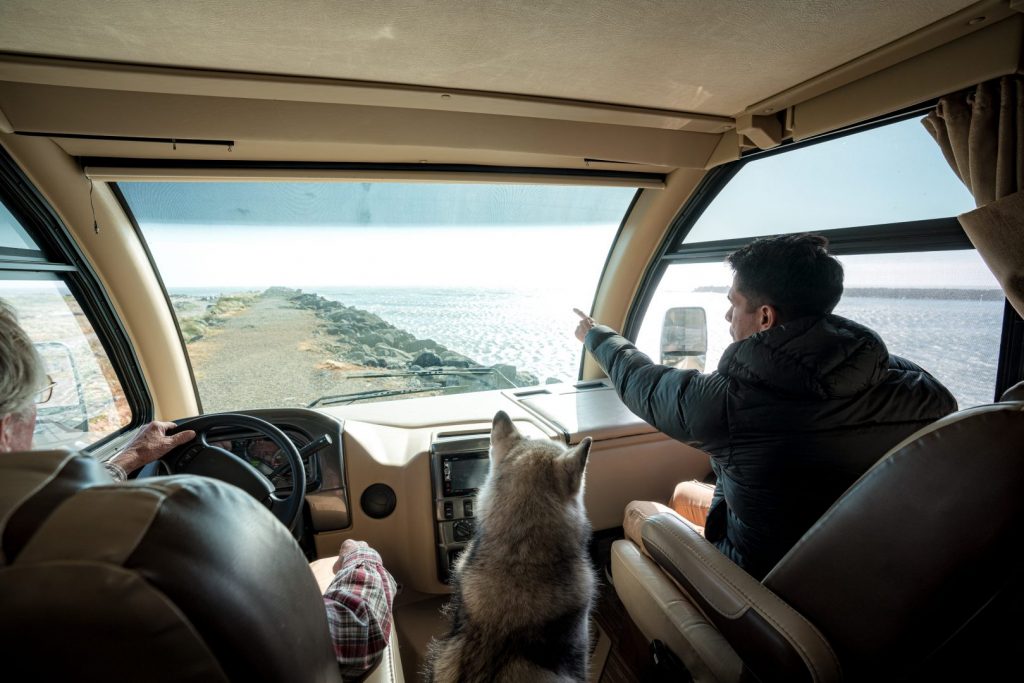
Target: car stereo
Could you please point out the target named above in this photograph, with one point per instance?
(458, 466)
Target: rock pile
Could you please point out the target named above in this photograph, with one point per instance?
(364, 339)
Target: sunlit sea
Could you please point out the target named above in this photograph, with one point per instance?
(532, 329)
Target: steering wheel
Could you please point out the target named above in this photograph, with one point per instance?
(199, 456)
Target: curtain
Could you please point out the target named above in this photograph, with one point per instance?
(981, 134)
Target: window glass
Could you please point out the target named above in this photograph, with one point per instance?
(12, 235)
(699, 285)
(941, 310)
(889, 174)
(87, 402)
(287, 293)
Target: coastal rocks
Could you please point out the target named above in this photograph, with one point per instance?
(429, 359)
(423, 344)
(364, 339)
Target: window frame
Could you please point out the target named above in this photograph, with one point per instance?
(937, 234)
(60, 259)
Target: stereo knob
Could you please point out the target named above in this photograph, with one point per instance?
(462, 530)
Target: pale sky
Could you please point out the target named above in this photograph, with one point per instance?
(309, 257)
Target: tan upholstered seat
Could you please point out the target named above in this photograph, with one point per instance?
(178, 578)
(914, 551)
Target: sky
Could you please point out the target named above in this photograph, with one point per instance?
(486, 235)
(309, 257)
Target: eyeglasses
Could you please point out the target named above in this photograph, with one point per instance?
(46, 393)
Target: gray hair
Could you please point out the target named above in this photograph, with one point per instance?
(22, 373)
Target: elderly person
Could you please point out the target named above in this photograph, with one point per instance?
(23, 377)
(357, 599)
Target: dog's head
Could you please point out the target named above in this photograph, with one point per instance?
(533, 462)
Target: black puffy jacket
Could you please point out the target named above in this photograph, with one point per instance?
(793, 416)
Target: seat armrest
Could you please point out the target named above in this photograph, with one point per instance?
(774, 641)
(637, 514)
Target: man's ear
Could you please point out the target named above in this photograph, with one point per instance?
(575, 462)
(504, 436)
(768, 317)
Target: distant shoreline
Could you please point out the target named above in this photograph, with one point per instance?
(935, 293)
(904, 293)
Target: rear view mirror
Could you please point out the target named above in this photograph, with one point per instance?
(684, 338)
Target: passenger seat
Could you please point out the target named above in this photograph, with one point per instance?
(924, 542)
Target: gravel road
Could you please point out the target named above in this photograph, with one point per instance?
(272, 355)
(264, 357)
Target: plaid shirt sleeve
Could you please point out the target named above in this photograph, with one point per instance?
(358, 604)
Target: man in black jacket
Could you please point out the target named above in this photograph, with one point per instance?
(803, 402)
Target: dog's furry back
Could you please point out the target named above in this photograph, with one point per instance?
(523, 588)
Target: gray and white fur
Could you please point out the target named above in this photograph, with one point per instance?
(523, 588)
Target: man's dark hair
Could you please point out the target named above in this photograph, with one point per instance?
(793, 273)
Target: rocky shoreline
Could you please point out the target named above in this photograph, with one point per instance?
(360, 338)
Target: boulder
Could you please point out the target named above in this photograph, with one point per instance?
(428, 359)
(457, 360)
(370, 339)
(526, 379)
(506, 372)
(422, 345)
(338, 316)
(305, 300)
(384, 351)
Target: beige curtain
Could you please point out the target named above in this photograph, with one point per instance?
(981, 134)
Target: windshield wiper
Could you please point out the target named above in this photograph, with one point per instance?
(384, 393)
(364, 395)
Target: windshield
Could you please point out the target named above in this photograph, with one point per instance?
(298, 294)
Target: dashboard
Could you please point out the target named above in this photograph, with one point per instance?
(412, 468)
(403, 476)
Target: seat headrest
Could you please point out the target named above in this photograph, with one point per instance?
(176, 578)
(1014, 393)
(32, 484)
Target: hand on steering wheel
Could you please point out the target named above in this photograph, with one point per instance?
(199, 456)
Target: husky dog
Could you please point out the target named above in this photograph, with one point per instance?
(523, 587)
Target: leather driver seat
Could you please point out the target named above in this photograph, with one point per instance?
(925, 545)
(171, 579)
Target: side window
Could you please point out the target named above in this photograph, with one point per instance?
(931, 298)
(951, 330)
(83, 401)
(13, 238)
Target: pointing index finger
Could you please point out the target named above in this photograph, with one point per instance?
(581, 314)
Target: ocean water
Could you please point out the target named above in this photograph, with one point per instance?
(532, 329)
(529, 328)
(955, 340)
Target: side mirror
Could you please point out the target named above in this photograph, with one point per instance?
(65, 417)
(684, 338)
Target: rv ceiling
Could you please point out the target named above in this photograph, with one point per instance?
(554, 84)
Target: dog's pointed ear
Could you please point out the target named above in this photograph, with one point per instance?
(504, 435)
(575, 462)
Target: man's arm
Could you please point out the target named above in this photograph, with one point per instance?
(658, 394)
(358, 603)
